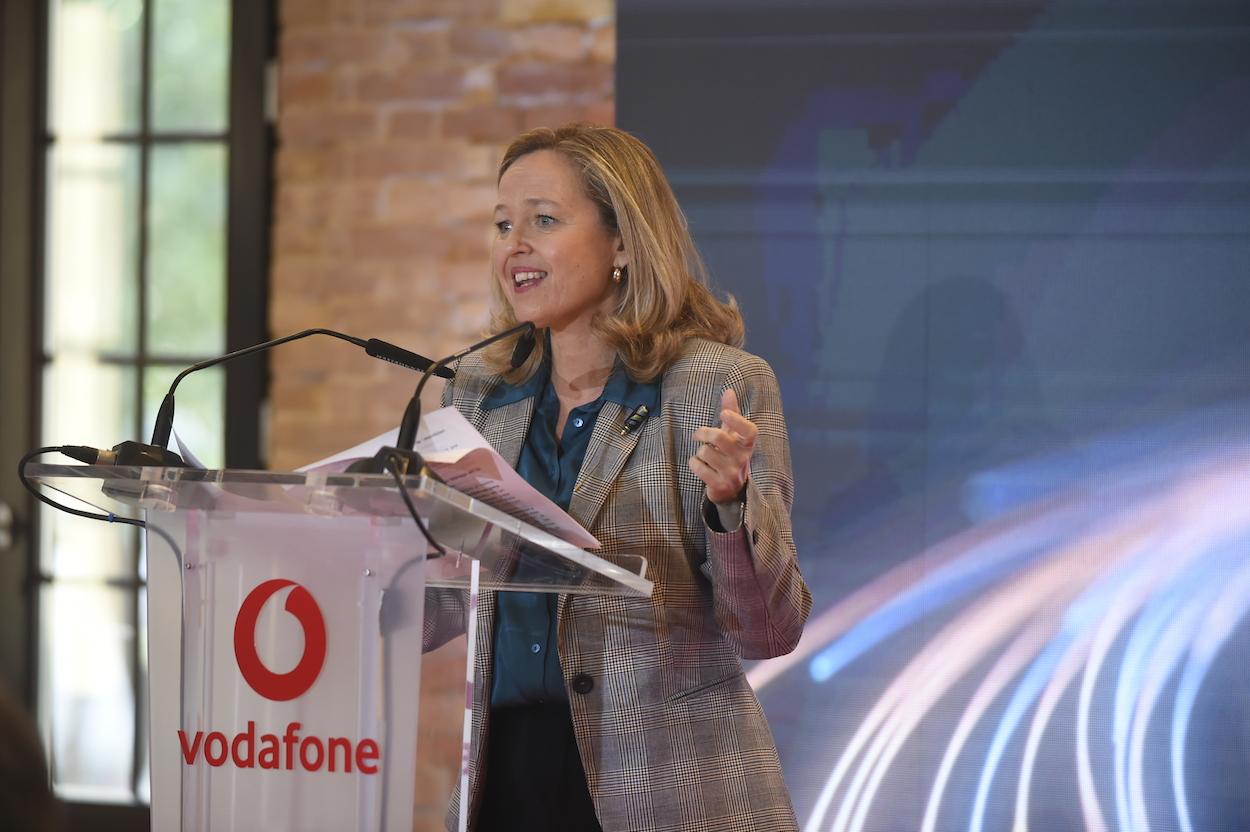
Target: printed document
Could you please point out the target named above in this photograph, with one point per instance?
(454, 450)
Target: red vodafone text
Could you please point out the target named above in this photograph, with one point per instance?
(289, 751)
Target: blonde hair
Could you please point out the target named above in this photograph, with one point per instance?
(664, 299)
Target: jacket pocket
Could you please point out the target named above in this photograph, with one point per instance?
(708, 687)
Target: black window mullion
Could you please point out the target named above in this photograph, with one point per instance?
(248, 204)
(145, 121)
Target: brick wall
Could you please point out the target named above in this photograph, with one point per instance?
(392, 119)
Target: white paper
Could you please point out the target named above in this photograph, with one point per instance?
(185, 452)
(365, 450)
(455, 451)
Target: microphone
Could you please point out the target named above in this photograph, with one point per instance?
(524, 346)
(398, 355)
(157, 452)
(402, 455)
(635, 419)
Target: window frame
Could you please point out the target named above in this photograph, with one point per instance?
(249, 144)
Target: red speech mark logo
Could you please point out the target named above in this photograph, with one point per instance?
(280, 687)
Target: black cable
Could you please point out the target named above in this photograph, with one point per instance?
(90, 515)
(392, 465)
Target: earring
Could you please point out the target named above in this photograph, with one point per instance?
(617, 276)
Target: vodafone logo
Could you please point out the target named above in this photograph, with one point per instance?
(280, 687)
(289, 749)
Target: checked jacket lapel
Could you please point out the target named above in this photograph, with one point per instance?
(605, 457)
(505, 427)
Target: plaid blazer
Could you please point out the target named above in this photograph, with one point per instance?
(670, 734)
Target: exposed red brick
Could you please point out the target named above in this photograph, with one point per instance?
(603, 44)
(399, 241)
(467, 281)
(332, 46)
(297, 162)
(408, 11)
(546, 80)
(335, 127)
(472, 41)
(597, 112)
(321, 203)
(414, 85)
(396, 158)
(295, 238)
(438, 204)
(293, 13)
(424, 45)
(556, 11)
(481, 162)
(602, 111)
(300, 89)
(558, 42)
(492, 123)
(416, 201)
(293, 273)
(411, 124)
(387, 242)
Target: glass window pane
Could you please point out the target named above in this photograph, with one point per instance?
(86, 403)
(94, 66)
(199, 414)
(78, 548)
(187, 250)
(190, 64)
(87, 693)
(91, 296)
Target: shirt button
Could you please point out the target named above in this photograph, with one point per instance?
(536, 648)
(578, 422)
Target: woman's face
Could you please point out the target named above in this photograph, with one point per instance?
(552, 254)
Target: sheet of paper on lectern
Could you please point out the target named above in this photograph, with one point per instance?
(455, 451)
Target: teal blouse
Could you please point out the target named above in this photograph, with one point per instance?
(527, 662)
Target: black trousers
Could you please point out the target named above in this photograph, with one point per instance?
(534, 775)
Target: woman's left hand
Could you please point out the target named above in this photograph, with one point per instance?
(723, 460)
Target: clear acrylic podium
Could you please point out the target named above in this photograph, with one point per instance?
(284, 629)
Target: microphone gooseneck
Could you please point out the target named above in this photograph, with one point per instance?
(402, 460)
(165, 415)
(407, 438)
(130, 453)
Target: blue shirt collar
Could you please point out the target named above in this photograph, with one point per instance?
(504, 393)
(620, 388)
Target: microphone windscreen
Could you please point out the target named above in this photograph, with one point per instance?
(524, 346)
(398, 355)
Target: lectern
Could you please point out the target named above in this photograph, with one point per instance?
(284, 631)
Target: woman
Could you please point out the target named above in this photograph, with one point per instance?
(639, 415)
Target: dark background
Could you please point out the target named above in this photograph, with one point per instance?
(997, 254)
